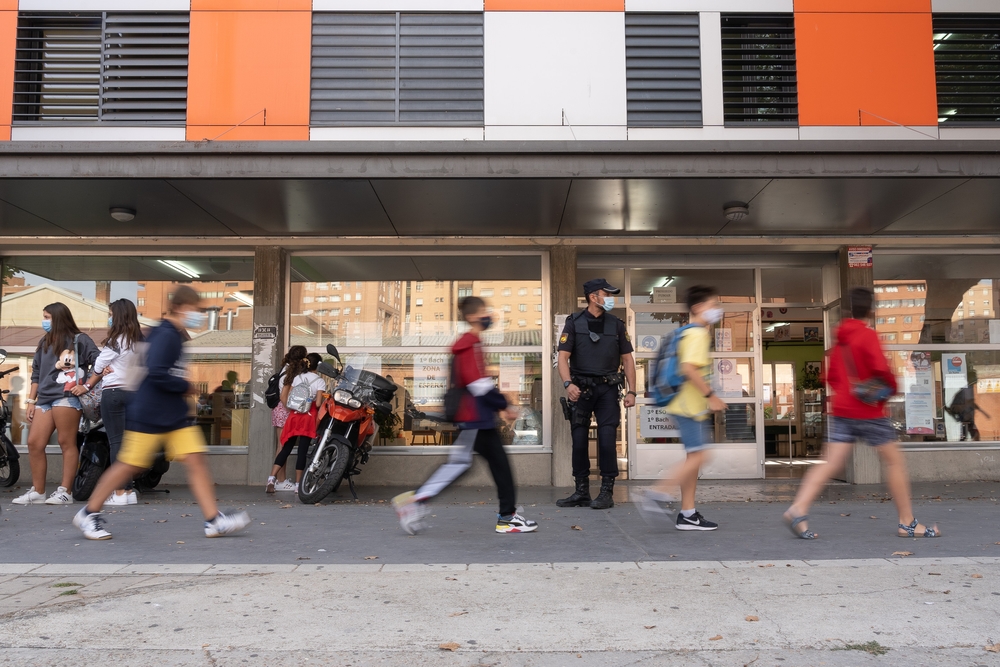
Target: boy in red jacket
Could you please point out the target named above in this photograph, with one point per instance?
(858, 357)
(476, 419)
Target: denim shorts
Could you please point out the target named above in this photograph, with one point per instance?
(694, 433)
(873, 432)
(64, 402)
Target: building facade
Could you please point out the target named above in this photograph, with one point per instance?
(345, 172)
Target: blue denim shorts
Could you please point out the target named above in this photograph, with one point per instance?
(694, 433)
(64, 402)
(873, 432)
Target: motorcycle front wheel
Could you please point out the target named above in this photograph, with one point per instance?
(329, 469)
(10, 469)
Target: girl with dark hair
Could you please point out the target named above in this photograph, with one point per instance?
(53, 404)
(123, 336)
(279, 415)
(300, 427)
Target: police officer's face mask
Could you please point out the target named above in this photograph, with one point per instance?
(608, 303)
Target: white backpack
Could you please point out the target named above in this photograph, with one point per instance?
(299, 397)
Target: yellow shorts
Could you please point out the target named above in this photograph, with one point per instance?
(140, 449)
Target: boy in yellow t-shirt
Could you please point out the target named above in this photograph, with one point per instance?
(690, 409)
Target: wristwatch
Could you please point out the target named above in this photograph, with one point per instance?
(631, 392)
(566, 384)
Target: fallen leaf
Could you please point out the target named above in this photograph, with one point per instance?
(946, 592)
(458, 613)
(934, 574)
(179, 542)
(449, 646)
(848, 514)
(450, 579)
(715, 638)
(303, 558)
(767, 565)
(977, 576)
(649, 627)
(160, 521)
(753, 619)
(992, 648)
(184, 515)
(370, 557)
(285, 507)
(904, 554)
(873, 517)
(576, 528)
(997, 543)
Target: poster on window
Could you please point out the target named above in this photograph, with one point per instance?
(918, 389)
(654, 422)
(726, 381)
(511, 372)
(430, 378)
(956, 381)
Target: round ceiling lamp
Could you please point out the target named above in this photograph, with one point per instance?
(736, 211)
(122, 214)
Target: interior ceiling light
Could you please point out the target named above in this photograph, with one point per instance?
(736, 211)
(180, 268)
(122, 214)
(242, 297)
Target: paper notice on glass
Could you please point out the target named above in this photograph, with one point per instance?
(918, 389)
(656, 423)
(956, 379)
(664, 295)
(726, 382)
(430, 378)
(723, 340)
(511, 372)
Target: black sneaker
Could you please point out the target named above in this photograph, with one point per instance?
(694, 522)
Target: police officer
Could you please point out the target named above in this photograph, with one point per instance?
(593, 349)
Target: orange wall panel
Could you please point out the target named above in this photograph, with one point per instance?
(863, 6)
(878, 63)
(555, 5)
(251, 5)
(8, 45)
(241, 63)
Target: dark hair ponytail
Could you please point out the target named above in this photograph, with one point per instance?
(296, 362)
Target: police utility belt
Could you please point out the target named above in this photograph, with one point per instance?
(588, 382)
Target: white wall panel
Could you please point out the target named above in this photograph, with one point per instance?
(969, 133)
(556, 133)
(102, 133)
(397, 5)
(396, 134)
(105, 5)
(875, 133)
(540, 64)
(753, 6)
(966, 6)
(712, 110)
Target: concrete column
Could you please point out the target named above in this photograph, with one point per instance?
(270, 315)
(863, 467)
(562, 291)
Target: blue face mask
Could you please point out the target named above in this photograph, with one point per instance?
(609, 303)
(194, 319)
(111, 321)
(486, 321)
(46, 325)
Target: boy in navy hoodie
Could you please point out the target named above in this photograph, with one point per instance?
(476, 419)
(158, 418)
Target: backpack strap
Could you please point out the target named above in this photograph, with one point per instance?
(76, 358)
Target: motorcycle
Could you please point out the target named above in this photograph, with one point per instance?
(346, 428)
(10, 468)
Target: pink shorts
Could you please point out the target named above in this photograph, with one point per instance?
(279, 415)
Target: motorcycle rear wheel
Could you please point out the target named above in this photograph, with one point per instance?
(332, 464)
(10, 468)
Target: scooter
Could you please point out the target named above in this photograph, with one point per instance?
(346, 430)
(10, 468)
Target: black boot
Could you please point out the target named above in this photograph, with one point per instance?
(580, 497)
(606, 498)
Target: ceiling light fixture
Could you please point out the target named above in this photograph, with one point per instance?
(736, 211)
(180, 268)
(122, 214)
(242, 297)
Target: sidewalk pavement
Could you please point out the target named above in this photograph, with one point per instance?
(340, 584)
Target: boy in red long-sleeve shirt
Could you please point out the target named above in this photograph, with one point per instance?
(476, 419)
(856, 358)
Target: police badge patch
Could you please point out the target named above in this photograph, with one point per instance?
(563, 338)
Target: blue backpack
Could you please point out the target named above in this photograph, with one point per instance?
(666, 375)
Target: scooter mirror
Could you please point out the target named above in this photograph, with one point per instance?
(332, 351)
(3, 356)
(327, 370)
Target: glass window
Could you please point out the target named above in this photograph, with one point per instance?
(799, 284)
(486, 293)
(505, 291)
(734, 285)
(87, 284)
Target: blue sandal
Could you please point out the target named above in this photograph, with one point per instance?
(911, 530)
(793, 522)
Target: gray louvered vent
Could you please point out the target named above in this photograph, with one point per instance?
(57, 70)
(758, 69)
(145, 68)
(967, 60)
(101, 67)
(397, 68)
(663, 70)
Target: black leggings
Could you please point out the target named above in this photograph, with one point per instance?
(300, 459)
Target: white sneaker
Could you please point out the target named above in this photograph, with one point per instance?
(60, 496)
(91, 524)
(115, 499)
(269, 488)
(287, 485)
(412, 514)
(30, 497)
(133, 497)
(226, 524)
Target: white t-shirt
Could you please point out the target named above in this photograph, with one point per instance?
(117, 361)
(315, 382)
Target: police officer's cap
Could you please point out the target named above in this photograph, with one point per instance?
(596, 284)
